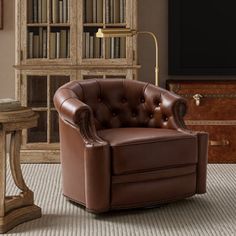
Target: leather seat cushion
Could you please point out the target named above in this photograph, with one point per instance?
(144, 149)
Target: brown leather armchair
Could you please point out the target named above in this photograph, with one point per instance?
(124, 145)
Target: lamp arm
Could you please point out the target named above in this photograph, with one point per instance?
(156, 48)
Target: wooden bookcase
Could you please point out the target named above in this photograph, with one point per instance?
(56, 43)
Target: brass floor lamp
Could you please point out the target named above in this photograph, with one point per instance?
(124, 32)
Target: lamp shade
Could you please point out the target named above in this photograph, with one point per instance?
(115, 32)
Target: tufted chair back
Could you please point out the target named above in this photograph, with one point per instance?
(117, 103)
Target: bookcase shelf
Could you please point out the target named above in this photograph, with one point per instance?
(56, 44)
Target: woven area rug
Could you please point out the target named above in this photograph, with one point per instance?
(211, 214)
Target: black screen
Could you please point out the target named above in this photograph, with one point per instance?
(202, 36)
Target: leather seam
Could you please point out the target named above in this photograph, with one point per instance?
(148, 142)
(153, 202)
(156, 179)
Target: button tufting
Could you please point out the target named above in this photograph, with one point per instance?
(99, 99)
(142, 100)
(114, 114)
(151, 115)
(134, 114)
(165, 118)
(124, 100)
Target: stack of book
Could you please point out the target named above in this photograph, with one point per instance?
(115, 48)
(37, 11)
(115, 11)
(8, 104)
(60, 44)
(37, 43)
(93, 11)
(59, 11)
(92, 46)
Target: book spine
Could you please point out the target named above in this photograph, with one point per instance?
(44, 43)
(39, 11)
(91, 47)
(122, 47)
(68, 43)
(35, 11)
(60, 11)
(99, 11)
(116, 11)
(36, 46)
(107, 13)
(40, 42)
(117, 48)
(108, 48)
(94, 11)
(89, 11)
(30, 45)
(55, 11)
(84, 45)
(87, 45)
(65, 11)
(112, 48)
(44, 11)
(58, 43)
(63, 49)
(52, 45)
(30, 11)
(96, 47)
(111, 11)
(121, 11)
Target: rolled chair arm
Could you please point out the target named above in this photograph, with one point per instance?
(174, 107)
(78, 114)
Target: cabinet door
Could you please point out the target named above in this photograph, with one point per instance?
(106, 14)
(37, 92)
(47, 31)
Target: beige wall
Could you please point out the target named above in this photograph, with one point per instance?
(7, 51)
(152, 16)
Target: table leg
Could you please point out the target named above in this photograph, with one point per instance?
(2, 171)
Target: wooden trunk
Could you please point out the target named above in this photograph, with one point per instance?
(211, 108)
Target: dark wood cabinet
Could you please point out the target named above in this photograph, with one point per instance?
(211, 108)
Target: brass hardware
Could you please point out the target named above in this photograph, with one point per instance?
(219, 143)
(197, 97)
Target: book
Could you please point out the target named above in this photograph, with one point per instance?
(89, 11)
(52, 45)
(87, 37)
(36, 46)
(63, 44)
(39, 11)
(60, 11)
(44, 43)
(8, 104)
(91, 46)
(122, 47)
(55, 9)
(30, 11)
(112, 11)
(97, 47)
(112, 55)
(116, 11)
(122, 9)
(94, 11)
(58, 44)
(65, 11)
(40, 42)
(108, 48)
(99, 11)
(35, 11)
(44, 11)
(84, 45)
(30, 44)
(107, 13)
(68, 44)
(116, 47)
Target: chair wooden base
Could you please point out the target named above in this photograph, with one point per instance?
(18, 216)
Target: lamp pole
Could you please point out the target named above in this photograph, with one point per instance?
(156, 49)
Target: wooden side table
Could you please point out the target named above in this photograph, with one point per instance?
(15, 210)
